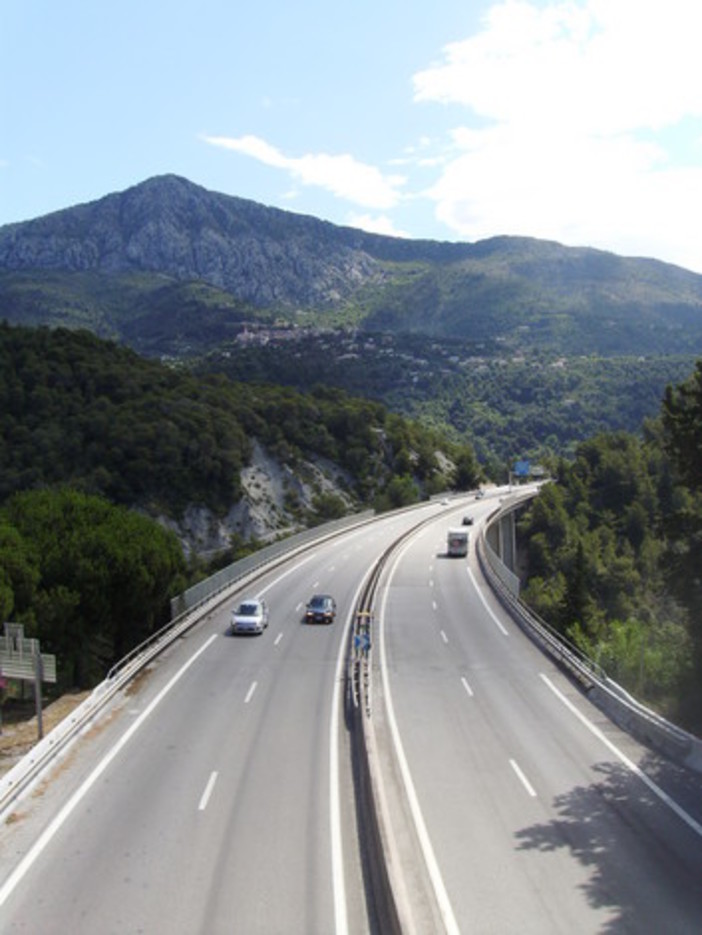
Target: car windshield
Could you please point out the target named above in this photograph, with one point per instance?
(319, 602)
(248, 610)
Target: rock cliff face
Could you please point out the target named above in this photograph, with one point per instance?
(263, 511)
(78, 266)
(262, 255)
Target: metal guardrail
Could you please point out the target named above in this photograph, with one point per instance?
(213, 592)
(558, 645)
(189, 609)
(223, 578)
(383, 875)
(376, 867)
(222, 582)
(630, 714)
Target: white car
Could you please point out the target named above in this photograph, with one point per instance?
(251, 616)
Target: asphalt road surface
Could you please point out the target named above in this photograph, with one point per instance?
(535, 813)
(216, 796)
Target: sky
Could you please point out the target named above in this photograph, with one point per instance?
(578, 121)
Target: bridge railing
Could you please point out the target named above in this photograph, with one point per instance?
(626, 711)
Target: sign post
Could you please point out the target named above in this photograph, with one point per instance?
(20, 658)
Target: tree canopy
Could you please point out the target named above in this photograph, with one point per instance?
(80, 411)
(614, 554)
(89, 579)
(95, 439)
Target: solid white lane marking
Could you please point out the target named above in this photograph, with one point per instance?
(522, 778)
(44, 839)
(630, 765)
(442, 898)
(341, 925)
(495, 620)
(467, 687)
(208, 792)
(249, 694)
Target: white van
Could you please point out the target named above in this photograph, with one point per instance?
(457, 542)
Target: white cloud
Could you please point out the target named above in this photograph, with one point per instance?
(342, 175)
(250, 146)
(568, 108)
(375, 224)
(602, 66)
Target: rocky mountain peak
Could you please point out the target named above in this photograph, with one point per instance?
(169, 225)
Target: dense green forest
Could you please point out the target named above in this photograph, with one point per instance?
(614, 554)
(88, 579)
(505, 406)
(81, 411)
(94, 440)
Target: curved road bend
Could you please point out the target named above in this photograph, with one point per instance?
(540, 815)
(212, 798)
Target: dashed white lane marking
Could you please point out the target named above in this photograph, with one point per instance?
(249, 694)
(467, 687)
(208, 792)
(630, 765)
(30, 857)
(522, 778)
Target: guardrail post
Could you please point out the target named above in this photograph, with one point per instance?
(38, 677)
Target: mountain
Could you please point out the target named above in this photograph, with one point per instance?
(169, 267)
(167, 225)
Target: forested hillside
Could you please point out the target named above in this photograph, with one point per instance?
(506, 407)
(80, 411)
(614, 555)
(90, 580)
(90, 433)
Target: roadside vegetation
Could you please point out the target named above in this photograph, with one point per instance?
(88, 579)
(614, 555)
(96, 443)
(506, 405)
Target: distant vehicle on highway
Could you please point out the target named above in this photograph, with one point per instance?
(467, 520)
(320, 609)
(251, 616)
(457, 543)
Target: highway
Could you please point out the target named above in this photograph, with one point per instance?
(216, 795)
(530, 806)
